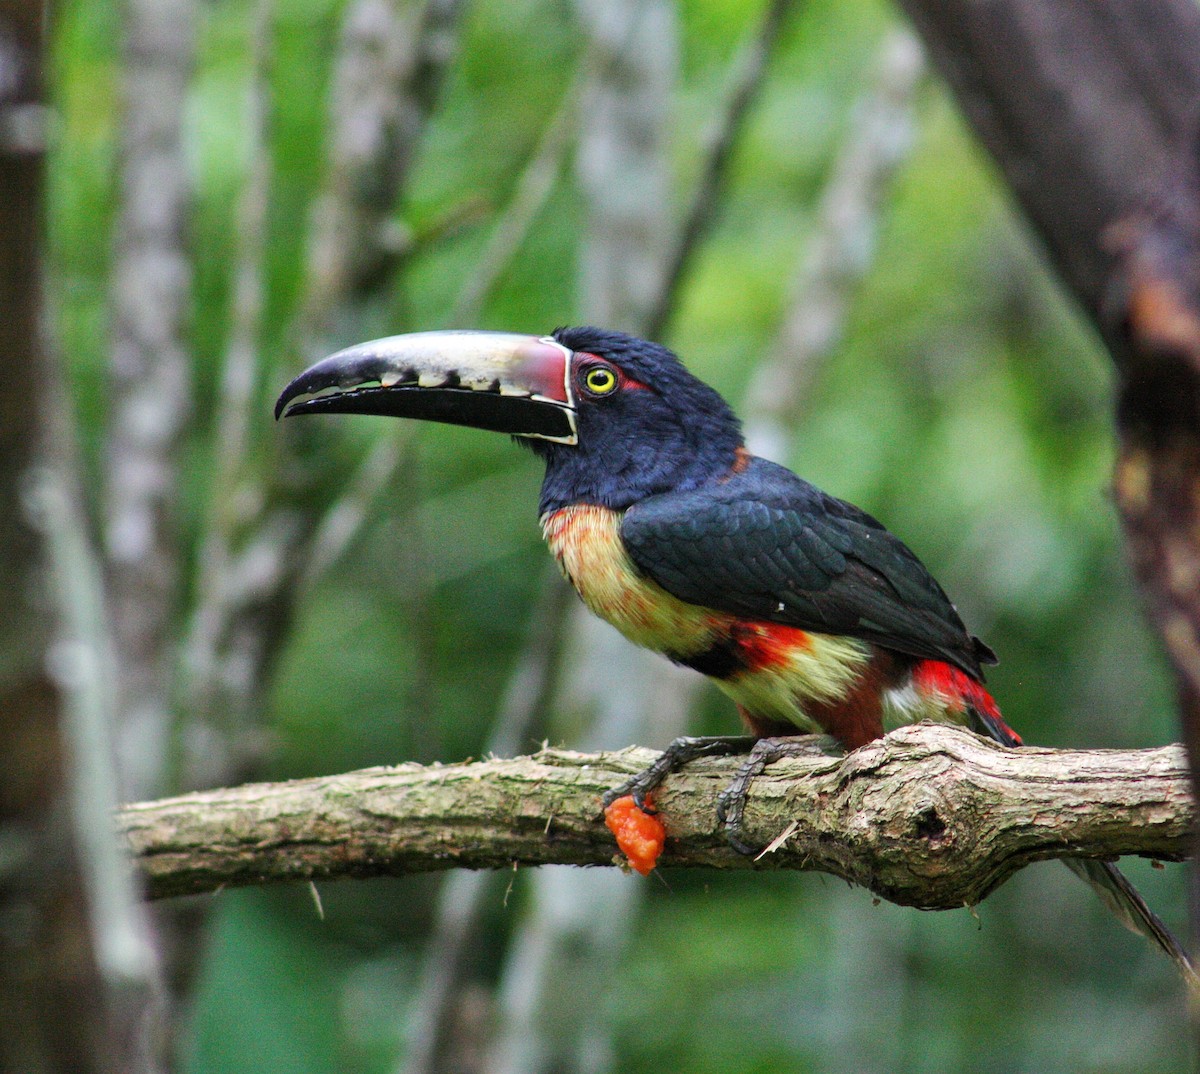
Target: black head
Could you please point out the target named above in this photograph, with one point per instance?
(645, 425)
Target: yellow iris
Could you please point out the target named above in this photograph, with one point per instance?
(600, 381)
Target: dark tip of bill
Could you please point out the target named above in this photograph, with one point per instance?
(281, 403)
(301, 385)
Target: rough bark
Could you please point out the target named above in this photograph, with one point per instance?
(462, 897)
(1157, 482)
(931, 817)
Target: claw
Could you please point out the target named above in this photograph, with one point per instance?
(632, 788)
(745, 849)
(674, 757)
(731, 805)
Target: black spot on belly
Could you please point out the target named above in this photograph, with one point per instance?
(721, 660)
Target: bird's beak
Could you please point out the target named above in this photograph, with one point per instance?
(488, 380)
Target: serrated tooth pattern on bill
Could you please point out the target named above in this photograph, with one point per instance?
(500, 364)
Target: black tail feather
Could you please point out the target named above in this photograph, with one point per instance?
(1107, 881)
(1122, 898)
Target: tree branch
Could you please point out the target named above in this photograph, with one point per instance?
(932, 817)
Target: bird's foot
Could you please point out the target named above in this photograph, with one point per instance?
(731, 805)
(674, 757)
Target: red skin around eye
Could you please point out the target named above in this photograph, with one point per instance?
(624, 381)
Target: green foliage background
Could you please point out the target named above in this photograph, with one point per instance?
(966, 406)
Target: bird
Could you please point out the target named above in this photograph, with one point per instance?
(802, 608)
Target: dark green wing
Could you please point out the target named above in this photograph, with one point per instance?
(769, 546)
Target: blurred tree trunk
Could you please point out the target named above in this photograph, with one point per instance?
(150, 379)
(388, 72)
(52, 1015)
(1091, 109)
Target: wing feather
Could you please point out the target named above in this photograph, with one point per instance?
(766, 544)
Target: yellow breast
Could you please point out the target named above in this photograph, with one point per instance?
(586, 541)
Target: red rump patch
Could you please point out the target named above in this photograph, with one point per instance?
(768, 645)
(959, 689)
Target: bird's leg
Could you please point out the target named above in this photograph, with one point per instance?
(674, 757)
(731, 805)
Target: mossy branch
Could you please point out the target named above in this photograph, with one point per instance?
(929, 816)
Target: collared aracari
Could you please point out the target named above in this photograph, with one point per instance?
(802, 608)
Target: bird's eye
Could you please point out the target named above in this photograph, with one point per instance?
(600, 380)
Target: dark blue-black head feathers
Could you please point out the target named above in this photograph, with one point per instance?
(670, 432)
